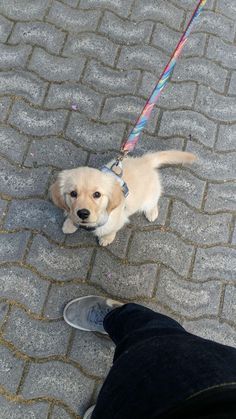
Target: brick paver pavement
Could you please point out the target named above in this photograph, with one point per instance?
(105, 56)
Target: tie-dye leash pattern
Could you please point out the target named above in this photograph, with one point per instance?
(130, 143)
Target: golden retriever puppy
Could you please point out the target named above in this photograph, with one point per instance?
(94, 200)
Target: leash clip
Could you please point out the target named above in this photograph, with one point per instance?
(117, 168)
(118, 174)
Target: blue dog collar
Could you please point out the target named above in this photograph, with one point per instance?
(123, 185)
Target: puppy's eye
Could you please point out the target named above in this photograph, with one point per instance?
(73, 194)
(96, 195)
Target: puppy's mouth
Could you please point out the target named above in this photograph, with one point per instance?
(91, 225)
(87, 226)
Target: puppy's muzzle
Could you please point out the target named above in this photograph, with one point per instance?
(83, 213)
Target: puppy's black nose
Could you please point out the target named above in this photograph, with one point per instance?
(83, 213)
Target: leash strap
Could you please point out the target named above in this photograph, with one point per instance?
(132, 140)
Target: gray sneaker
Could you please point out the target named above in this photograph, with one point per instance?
(87, 313)
(88, 413)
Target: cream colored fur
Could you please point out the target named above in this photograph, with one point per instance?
(112, 210)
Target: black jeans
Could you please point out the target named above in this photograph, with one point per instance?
(157, 365)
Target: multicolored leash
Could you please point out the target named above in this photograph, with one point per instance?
(130, 143)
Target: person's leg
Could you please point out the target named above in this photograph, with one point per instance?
(157, 365)
(130, 382)
(132, 323)
(132, 317)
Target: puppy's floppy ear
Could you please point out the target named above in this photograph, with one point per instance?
(57, 197)
(115, 198)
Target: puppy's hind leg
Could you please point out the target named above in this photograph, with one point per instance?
(151, 208)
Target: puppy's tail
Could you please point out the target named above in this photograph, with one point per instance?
(169, 157)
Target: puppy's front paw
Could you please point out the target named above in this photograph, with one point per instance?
(152, 214)
(68, 227)
(105, 240)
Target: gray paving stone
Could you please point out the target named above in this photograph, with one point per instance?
(36, 214)
(215, 263)
(175, 96)
(123, 31)
(22, 182)
(222, 52)
(188, 4)
(139, 220)
(187, 298)
(167, 39)
(5, 103)
(3, 208)
(221, 197)
(94, 135)
(81, 237)
(12, 144)
(37, 122)
(12, 246)
(198, 227)
(5, 28)
(142, 57)
(55, 152)
(3, 311)
(212, 165)
(182, 184)
(60, 381)
(72, 3)
(119, 246)
(149, 143)
(188, 123)
(59, 412)
(67, 94)
(122, 7)
(157, 10)
(38, 33)
(59, 296)
(55, 68)
(73, 20)
(86, 347)
(212, 330)
(12, 56)
(99, 159)
(121, 280)
(163, 247)
(24, 9)
(11, 369)
(127, 109)
(226, 140)
(202, 71)
(23, 83)
(216, 24)
(232, 86)
(108, 80)
(234, 235)
(91, 45)
(16, 410)
(34, 337)
(229, 307)
(216, 106)
(23, 286)
(58, 263)
(226, 7)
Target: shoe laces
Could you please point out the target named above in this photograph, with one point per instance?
(97, 313)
